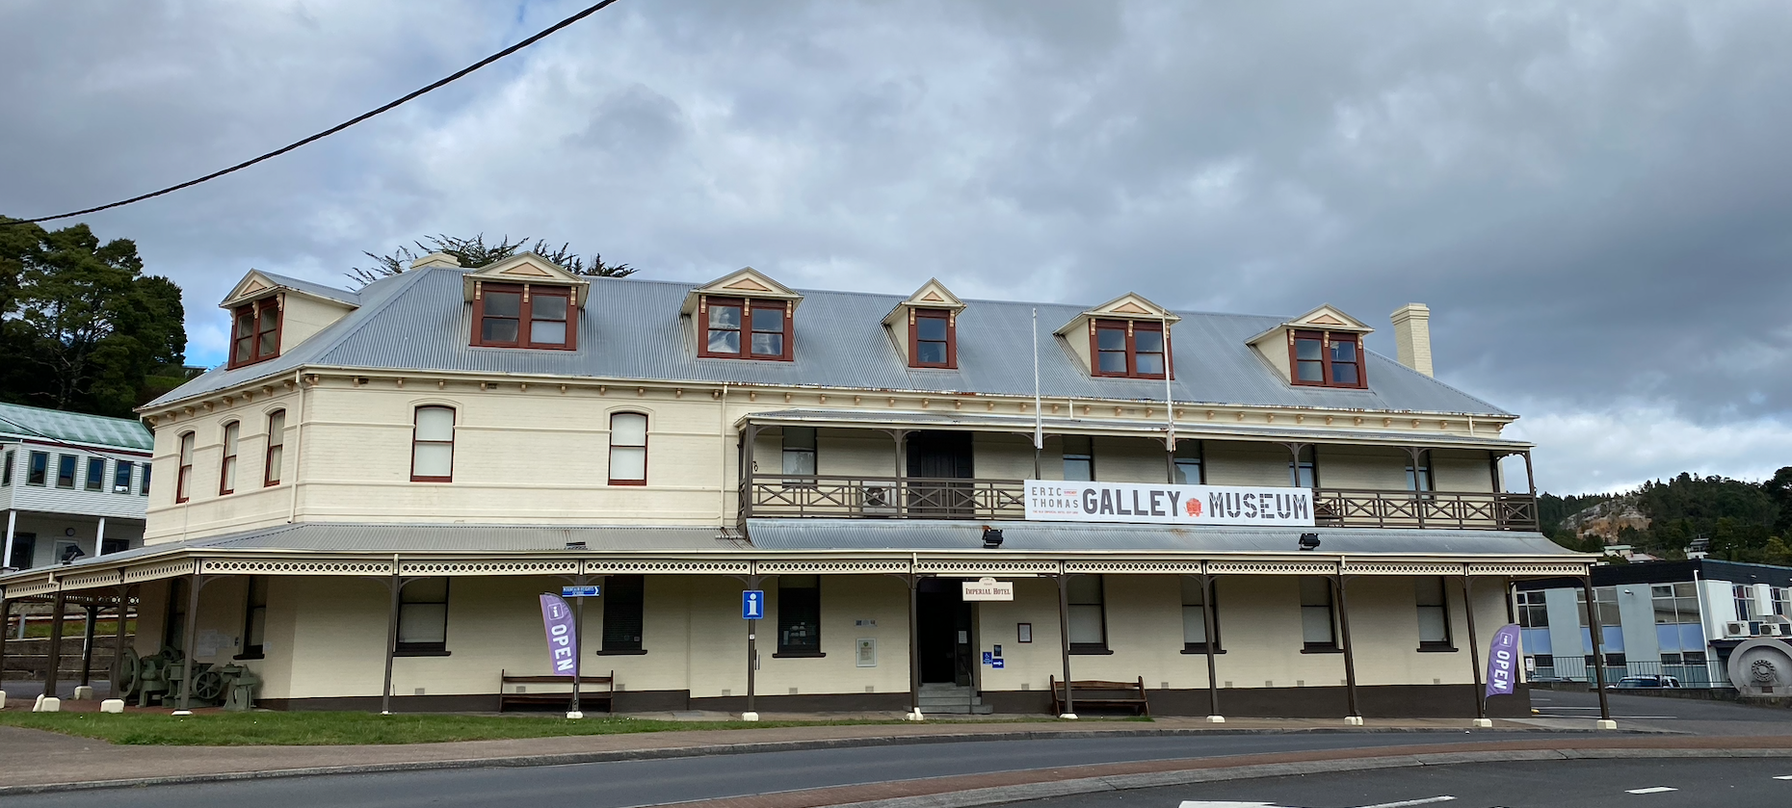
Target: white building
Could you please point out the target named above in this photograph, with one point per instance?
(70, 483)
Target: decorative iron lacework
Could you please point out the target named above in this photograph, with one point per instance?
(667, 567)
(489, 567)
(155, 572)
(1399, 568)
(1272, 567)
(25, 590)
(274, 567)
(1531, 568)
(93, 579)
(1135, 567)
(988, 567)
(830, 567)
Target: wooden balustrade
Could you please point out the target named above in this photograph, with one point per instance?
(771, 496)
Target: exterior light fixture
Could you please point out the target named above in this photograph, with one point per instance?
(992, 539)
(1309, 541)
(70, 553)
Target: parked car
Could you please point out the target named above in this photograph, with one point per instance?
(1641, 682)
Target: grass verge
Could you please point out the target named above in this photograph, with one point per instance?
(333, 729)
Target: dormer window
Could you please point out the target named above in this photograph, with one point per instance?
(933, 339)
(525, 316)
(1128, 348)
(1327, 359)
(256, 334)
(745, 328)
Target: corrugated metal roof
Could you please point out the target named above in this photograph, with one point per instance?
(1060, 425)
(917, 534)
(318, 289)
(17, 420)
(632, 330)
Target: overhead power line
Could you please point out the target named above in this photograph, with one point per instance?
(543, 34)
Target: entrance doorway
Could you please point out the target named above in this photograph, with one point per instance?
(935, 457)
(943, 632)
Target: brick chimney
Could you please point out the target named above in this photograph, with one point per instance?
(1412, 336)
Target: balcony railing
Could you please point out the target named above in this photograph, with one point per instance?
(893, 497)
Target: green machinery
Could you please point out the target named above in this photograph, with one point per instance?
(158, 678)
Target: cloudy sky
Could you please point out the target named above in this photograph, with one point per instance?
(1595, 199)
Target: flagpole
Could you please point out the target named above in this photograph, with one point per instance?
(1169, 400)
(1038, 422)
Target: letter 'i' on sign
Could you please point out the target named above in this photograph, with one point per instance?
(752, 604)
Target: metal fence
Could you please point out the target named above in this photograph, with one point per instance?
(1698, 674)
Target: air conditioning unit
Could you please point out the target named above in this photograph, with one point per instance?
(1776, 630)
(1736, 628)
(877, 500)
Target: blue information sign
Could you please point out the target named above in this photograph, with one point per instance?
(989, 658)
(578, 591)
(752, 604)
(999, 663)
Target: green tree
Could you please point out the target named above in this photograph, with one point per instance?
(474, 253)
(1779, 489)
(83, 327)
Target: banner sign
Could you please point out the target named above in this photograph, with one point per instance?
(988, 589)
(563, 642)
(1165, 504)
(1502, 661)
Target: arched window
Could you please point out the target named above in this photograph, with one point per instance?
(432, 445)
(276, 455)
(183, 481)
(227, 469)
(628, 448)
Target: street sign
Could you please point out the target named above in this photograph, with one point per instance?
(752, 604)
(578, 591)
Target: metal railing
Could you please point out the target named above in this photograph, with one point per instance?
(1691, 675)
(779, 496)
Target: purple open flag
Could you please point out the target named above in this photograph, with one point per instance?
(563, 641)
(1502, 661)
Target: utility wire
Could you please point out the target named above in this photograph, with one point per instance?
(337, 128)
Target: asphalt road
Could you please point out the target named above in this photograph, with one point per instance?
(1707, 783)
(652, 782)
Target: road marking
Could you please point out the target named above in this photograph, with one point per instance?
(1404, 803)
(1784, 777)
(1651, 790)
(1229, 804)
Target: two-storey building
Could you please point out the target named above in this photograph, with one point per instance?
(71, 485)
(1246, 515)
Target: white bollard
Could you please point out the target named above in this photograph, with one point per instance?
(49, 704)
(1068, 716)
(1484, 723)
(1353, 720)
(575, 714)
(913, 716)
(2, 699)
(1216, 719)
(112, 706)
(1604, 723)
(749, 716)
(83, 693)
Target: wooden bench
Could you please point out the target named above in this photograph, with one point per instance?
(1097, 693)
(592, 691)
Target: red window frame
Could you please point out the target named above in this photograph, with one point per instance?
(184, 478)
(646, 424)
(915, 316)
(1131, 348)
(453, 426)
(232, 434)
(251, 322)
(272, 467)
(744, 328)
(1326, 361)
(527, 293)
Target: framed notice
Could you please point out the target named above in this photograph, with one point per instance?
(1023, 632)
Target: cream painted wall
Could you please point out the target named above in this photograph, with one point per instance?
(541, 455)
(302, 317)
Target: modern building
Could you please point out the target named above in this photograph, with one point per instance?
(1678, 618)
(70, 483)
(1242, 515)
